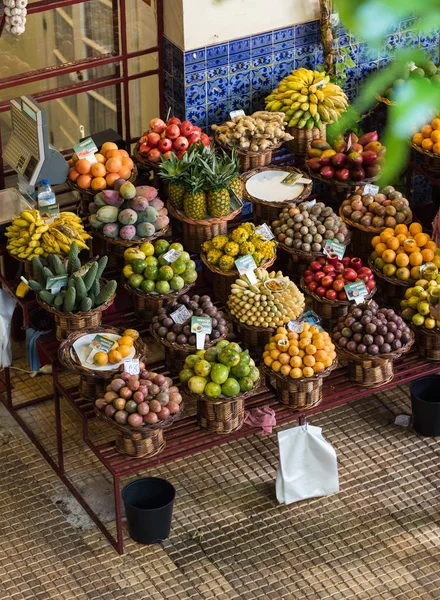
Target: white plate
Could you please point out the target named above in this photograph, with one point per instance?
(82, 349)
(267, 185)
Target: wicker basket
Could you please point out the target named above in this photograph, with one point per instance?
(252, 337)
(140, 442)
(223, 280)
(265, 211)
(299, 394)
(142, 163)
(146, 304)
(67, 323)
(430, 161)
(428, 342)
(371, 371)
(391, 289)
(92, 382)
(338, 190)
(175, 354)
(87, 196)
(302, 138)
(220, 415)
(249, 159)
(196, 232)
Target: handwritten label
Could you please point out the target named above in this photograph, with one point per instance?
(201, 326)
(132, 366)
(334, 247)
(171, 256)
(402, 420)
(293, 178)
(265, 231)
(86, 149)
(246, 266)
(181, 315)
(370, 189)
(356, 291)
(56, 283)
(237, 113)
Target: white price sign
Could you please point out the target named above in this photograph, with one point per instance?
(370, 189)
(132, 366)
(181, 315)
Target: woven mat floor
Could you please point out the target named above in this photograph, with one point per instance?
(378, 538)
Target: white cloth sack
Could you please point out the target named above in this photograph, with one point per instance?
(7, 307)
(308, 466)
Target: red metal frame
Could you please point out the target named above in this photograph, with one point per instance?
(120, 58)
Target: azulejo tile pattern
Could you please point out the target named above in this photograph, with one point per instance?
(207, 83)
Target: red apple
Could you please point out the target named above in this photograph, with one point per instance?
(193, 138)
(328, 269)
(338, 285)
(154, 155)
(165, 145)
(144, 149)
(350, 274)
(153, 139)
(312, 286)
(327, 281)
(172, 131)
(331, 294)
(321, 291)
(319, 275)
(174, 121)
(365, 271)
(309, 279)
(186, 128)
(157, 125)
(315, 265)
(181, 143)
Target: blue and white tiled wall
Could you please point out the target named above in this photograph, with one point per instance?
(205, 84)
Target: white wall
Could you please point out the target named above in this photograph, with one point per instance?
(213, 21)
(173, 21)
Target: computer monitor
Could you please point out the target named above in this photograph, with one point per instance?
(28, 151)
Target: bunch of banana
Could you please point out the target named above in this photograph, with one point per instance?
(30, 236)
(308, 99)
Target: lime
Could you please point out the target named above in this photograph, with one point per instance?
(222, 344)
(245, 358)
(166, 273)
(178, 267)
(241, 370)
(191, 265)
(201, 353)
(213, 390)
(147, 285)
(151, 261)
(138, 265)
(176, 246)
(185, 375)
(127, 271)
(184, 257)
(147, 248)
(202, 368)
(189, 276)
(219, 373)
(177, 283)
(191, 360)
(230, 388)
(160, 246)
(197, 384)
(151, 273)
(162, 287)
(162, 262)
(211, 354)
(229, 357)
(246, 384)
(234, 346)
(135, 280)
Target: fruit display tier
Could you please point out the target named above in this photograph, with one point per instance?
(91, 380)
(115, 247)
(147, 304)
(67, 322)
(298, 394)
(390, 289)
(302, 138)
(223, 280)
(195, 232)
(252, 337)
(428, 342)
(266, 210)
(250, 159)
(430, 161)
(298, 259)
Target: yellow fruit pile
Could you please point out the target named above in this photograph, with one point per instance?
(120, 350)
(428, 137)
(299, 355)
(420, 300)
(400, 252)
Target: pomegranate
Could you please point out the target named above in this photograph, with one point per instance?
(186, 128)
(172, 132)
(165, 145)
(181, 143)
(154, 155)
(153, 139)
(157, 125)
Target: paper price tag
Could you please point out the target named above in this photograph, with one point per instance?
(171, 256)
(86, 149)
(293, 178)
(49, 213)
(246, 266)
(265, 231)
(309, 204)
(237, 113)
(412, 66)
(402, 420)
(370, 189)
(334, 247)
(24, 280)
(236, 202)
(320, 84)
(356, 291)
(201, 326)
(181, 315)
(132, 366)
(349, 143)
(56, 284)
(296, 326)
(102, 343)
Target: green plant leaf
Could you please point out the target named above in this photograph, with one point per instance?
(349, 62)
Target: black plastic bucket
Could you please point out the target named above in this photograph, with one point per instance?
(425, 401)
(149, 508)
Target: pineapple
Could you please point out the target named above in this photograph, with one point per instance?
(172, 170)
(235, 185)
(194, 199)
(219, 175)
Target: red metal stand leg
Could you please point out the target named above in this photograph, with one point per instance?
(117, 491)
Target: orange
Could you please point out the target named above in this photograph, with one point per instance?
(293, 351)
(435, 136)
(310, 349)
(309, 361)
(427, 144)
(83, 166)
(98, 170)
(301, 353)
(318, 367)
(303, 343)
(84, 182)
(74, 158)
(268, 361)
(436, 148)
(431, 245)
(409, 245)
(275, 354)
(421, 239)
(283, 345)
(73, 174)
(276, 366)
(380, 249)
(388, 256)
(98, 183)
(114, 357)
(386, 233)
(415, 272)
(111, 178)
(278, 337)
(124, 350)
(308, 372)
(107, 146)
(100, 158)
(401, 237)
(124, 173)
(415, 259)
(123, 153)
(428, 255)
(436, 123)
(375, 241)
(402, 259)
(132, 333)
(127, 162)
(296, 361)
(415, 228)
(403, 273)
(285, 370)
(70, 163)
(100, 359)
(113, 165)
(417, 139)
(401, 228)
(318, 342)
(327, 361)
(393, 243)
(126, 340)
(284, 358)
(320, 356)
(266, 353)
(112, 153)
(426, 131)
(295, 373)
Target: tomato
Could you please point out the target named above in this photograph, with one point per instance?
(312, 286)
(342, 296)
(328, 269)
(327, 281)
(319, 275)
(338, 285)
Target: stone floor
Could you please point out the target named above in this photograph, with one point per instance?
(379, 537)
